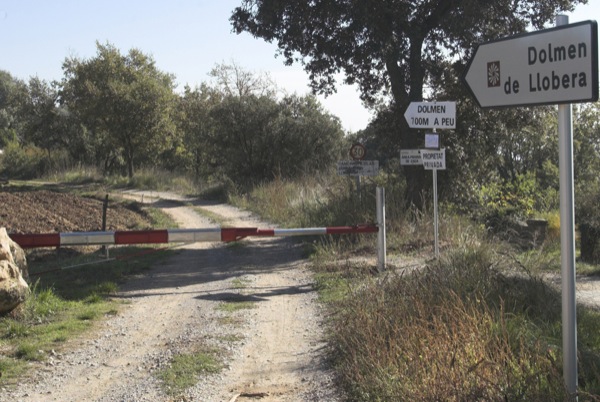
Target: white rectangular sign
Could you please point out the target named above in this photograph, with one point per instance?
(434, 159)
(551, 66)
(432, 141)
(410, 157)
(358, 168)
(431, 115)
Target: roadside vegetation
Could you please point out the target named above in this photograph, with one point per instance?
(480, 323)
(184, 369)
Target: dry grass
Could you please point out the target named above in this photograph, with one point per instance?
(477, 325)
(452, 333)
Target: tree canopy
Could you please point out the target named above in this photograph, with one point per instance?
(389, 48)
(386, 45)
(125, 102)
(248, 133)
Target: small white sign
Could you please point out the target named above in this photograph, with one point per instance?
(436, 115)
(358, 168)
(432, 141)
(434, 159)
(410, 157)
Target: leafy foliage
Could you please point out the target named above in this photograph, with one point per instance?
(22, 162)
(13, 93)
(239, 129)
(586, 164)
(388, 48)
(124, 101)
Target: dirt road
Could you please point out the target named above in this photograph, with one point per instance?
(272, 352)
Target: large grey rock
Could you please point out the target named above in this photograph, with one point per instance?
(13, 269)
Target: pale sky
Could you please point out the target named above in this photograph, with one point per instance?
(186, 38)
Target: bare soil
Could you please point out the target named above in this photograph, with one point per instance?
(272, 352)
(44, 211)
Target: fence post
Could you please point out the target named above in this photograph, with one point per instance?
(104, 209)
(381, 242)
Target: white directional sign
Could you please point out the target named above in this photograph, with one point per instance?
(410, 157)
(431, 115)
(434, 159)
(358, 168)
(551, 66)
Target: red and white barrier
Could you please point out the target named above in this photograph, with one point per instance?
(204, 235)
(174, 235)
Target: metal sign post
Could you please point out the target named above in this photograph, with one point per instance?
(435, 160)
(436, 241)
(358, 153)
(381, 241)
(434, 115)
(567, 240)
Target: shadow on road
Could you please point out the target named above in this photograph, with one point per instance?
(250, 295)
(217, 263)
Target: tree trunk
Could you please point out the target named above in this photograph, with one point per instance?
(130, 168)
(129, 159)
(589, 242)
(409, 138)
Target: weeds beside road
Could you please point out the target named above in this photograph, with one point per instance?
(479, 324)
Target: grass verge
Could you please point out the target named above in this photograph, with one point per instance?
(472, 326)
(184, 370)
(231, 306)
(71, 290)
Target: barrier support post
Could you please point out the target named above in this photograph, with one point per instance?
(381, 242)
(104, 210)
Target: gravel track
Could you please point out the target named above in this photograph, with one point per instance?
(274, 352)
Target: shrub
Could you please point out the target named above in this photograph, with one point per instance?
(588, 218)
(23, 162)
(504, 206)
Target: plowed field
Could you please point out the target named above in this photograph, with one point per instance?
(44, 211)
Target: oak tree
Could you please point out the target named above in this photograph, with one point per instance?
(125, 101)
(387, 47)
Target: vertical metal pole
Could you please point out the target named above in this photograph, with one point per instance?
(435, 215)
(567, 239)
(381, 242)
(104, 209)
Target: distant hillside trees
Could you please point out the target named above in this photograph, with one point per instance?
(120, 112)
(13, 93)
(243, 130)
(196, 126)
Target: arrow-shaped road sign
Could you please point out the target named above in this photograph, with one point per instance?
(551, 66)
(440, 115)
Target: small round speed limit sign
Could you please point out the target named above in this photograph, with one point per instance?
(357, 151)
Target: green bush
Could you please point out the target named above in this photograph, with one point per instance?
(588, 218)
(23, 162)
(504, 204)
